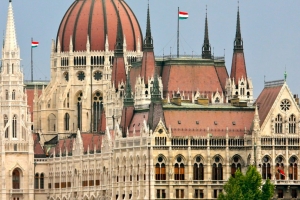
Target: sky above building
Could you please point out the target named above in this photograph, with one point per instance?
(270, 30)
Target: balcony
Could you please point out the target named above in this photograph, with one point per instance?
(16, 191)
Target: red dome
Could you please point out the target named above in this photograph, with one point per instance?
(98, 18)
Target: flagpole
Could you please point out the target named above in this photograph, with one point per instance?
(178, 33)
(31, 61)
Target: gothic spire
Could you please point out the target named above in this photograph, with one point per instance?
(155, 92)
(128, 98)
(238, 41)
(206, 49)
(10, 37)
(119, 41)
(148, 41)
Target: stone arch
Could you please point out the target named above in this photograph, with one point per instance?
(215, 156)
(199, 155)
(163, 156)
(241, 160)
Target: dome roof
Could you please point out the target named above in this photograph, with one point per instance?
(96, 19)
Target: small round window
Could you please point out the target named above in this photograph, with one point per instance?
(97, 76)
(81, 76)
(217, 159)
(160, 159)
(179, 159)
(285, 105)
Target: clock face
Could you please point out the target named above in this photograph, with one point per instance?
(81, 76)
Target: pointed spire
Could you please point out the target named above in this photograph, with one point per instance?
(206, 49)
(88, 45)
(10, 37)
(106, 43)
(148, 41)
(71, 44)
(155, 92)
(119, 41)
(238, 41)
(128, 98)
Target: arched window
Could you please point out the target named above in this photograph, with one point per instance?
(42, 181)
(6, 94)
(292, 124)
(293, 171)
(79, 110)
(97, 110)
(16, 179)
(217, 169)
(51, 122)
(160, 169)
(13, 95)
(279, 169)
(7, 128)
(7, 68)
(179, 169)
(278, 124)
(198, 171)
(12, 68)
(235, 165)
(67, 121)
(266, 168)
(14, 127)
(36, 181)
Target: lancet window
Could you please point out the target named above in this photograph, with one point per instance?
(278, 124)
(179, 169)
(160, 169)
(293, 168)
(292, 124)
(266, 168)
(279, 169)
(198, 170)
(217, 169)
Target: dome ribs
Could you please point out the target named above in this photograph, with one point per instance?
(135, 26)
(68, 13)
(98, 19)
(132, 28)
(75, 44)
(90, 20)
(105, 20)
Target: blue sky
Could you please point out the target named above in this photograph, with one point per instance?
(270, 29)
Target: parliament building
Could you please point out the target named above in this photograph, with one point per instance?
(116, 122)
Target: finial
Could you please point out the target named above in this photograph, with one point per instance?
(148, 41)
(285, 74)
(238, 41)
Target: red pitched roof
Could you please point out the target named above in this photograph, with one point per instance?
(191, 78)
(266, 100)
(238, 68)
(184, 122)
(118, 71)
(223, 75)
(38, 150)
(137, 122)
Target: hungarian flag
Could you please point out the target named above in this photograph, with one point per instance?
(183, 15)
(280, 171)
(34, 44)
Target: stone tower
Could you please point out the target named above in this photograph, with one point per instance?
(16, 151)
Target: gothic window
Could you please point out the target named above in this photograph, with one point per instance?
(16, 179)
(285, 105)
(97, 76)
(292, 124)
(42, 181)
(97, 110)
(279, 169)
(36, 181)
(81, 76)
(198, 169)
(5, 123)
(51, 122)
(79, 110)
(160, 169)
(266, 168)
(235, 165)
(179, 169)
(66, 76)
(217, 169)
(13, 96)
(217, 100)
(248, 94)
(293, 168)
(12, 68)
(14, 127)
(6, 94)
(7, 68)
(278, 124)
(67, 121)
